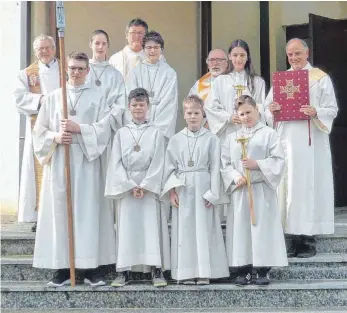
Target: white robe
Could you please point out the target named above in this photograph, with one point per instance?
(164, 104)
(92, 221)
(306, 193)
(221, 106)
(125, 60)
(142, 230)
(27, 104)
(194, 91)
(113, 89)
(261, 244)
(197, 245)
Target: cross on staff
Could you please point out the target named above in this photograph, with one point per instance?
(243, 141)
(239, 90)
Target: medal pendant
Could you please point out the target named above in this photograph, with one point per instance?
(137, 148)
(98, 82)
(151, 94)
(72, 112)
(190, 163)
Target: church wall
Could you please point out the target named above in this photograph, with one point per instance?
(237, 20)
(283, 13)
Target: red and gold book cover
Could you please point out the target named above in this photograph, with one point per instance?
(291, 91)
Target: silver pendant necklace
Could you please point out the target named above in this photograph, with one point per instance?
(137, 147)
(73, 106)
(98, 81)
(190, 161)
(151, 86)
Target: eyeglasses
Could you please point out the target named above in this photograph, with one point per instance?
(41, 49)
(140, 34)
(79, 69)
(218, 60)
(156, 48)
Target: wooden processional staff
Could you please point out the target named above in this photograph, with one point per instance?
(60, 16)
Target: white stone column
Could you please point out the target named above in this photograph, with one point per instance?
(11, 43)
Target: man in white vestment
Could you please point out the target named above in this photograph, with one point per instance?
(217, 63)
(306, 194)
(87, 132)
(133, 53)
(33, 83)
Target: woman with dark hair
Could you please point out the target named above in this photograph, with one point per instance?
(160, 81)
(240, 80)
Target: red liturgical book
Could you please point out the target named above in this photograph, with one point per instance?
(291, 91)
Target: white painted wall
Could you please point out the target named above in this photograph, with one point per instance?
(10, 56)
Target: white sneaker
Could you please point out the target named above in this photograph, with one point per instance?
(120, 280)
(203, 281)
(188, 282)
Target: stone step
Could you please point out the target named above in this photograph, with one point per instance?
(180, 310)
(290, 294)
(22, 242)
(321, 266)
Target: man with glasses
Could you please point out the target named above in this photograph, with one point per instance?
(33, 83)
(217, 63)
(126, 59)
(306, 192)
(87, 132)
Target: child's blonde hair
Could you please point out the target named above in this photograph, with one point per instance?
(193, 100)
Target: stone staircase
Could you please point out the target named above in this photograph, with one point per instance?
(317, 284)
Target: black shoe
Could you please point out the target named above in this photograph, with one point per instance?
(158, 279)
(307, 248)
(306, 251)
(262, 280)
(60, 278)
(293, 243)
(94, 277)
(243, 280)
(33, 228)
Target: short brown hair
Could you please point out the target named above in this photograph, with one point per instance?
(245, 99)
(79, 56)
(195, 101)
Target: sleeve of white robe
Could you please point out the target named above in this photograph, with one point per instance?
(273, 165)
(194, 89)
(26, 101)
(259, 96)
(165, 120)
(94, 138)
(228, 170)
(116, 99)
(212, 195)
(43, 137)
(153, 180)
(170, 178)
(118, 184)
(268, 115)
(218, 117)
(131, 81)
(327, 106)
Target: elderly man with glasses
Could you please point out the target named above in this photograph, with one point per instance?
(33, 83)
(133, 53)
(217, 63)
